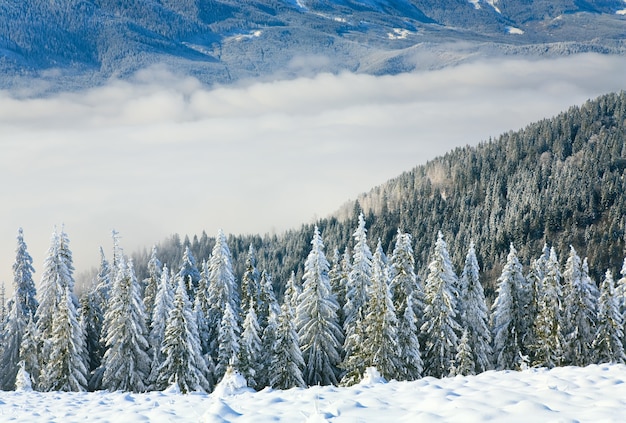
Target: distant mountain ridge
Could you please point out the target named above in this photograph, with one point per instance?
(225, 40)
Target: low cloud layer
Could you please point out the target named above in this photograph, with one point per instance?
(162, 153)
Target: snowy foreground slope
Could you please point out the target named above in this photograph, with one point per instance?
(595, 393)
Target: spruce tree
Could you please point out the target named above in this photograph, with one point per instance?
(608, 343)
(151, 283)
(161, 309)
(222, 292)
(201, 307)
(251, 347)
(318, 328)
(251, 282)
(65, 368)
(28, 351)
(475, 316)
(464, 364)
(547, 351)
(404, 281)
(440, 324)
(189, 272)
(126, 362)
(287, 362)
(580, 308)
(508, 314)
(183, 364)
(410, 363)
(228, 338)
(357, 288)
(23, 284)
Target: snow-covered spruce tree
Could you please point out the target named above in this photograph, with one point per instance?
(228, 338)
(380, 322)
(161, 309)
(411, 365)
(608, 343)
(293, 289)
(23, 284)
(126, 361)
(529, 298)
(269, 304)
(475, 316)
(251, 283)
(91, 320)
(338, 276)
(151, 283)
(440, 324)
(55, 278)
(65, 368)
(287, 362)
(28, 351)
(507, 319)
(357, 288)
(580, 313)
(251, 347)
(201, 307)
(404, 281)
(189, 272)
(183, 364)
(318, 328)
(464, 360)
(547, 350)
(268, 339)
(222, 292)
(23, 308)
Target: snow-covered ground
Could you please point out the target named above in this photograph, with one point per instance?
(591, 394)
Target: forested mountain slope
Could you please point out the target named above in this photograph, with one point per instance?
(559, 181)
(77, 43)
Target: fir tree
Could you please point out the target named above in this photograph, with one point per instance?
(608, 342)
(23, 284)
(229, 335)
(475, 316)
(151, 283)
(189, 272)
(287, 362)
(464, 364)
(162, 307)
(508, 314)
(10, 352)
(183, 363)
(318, 329)
(548, 347)
(126, 361)
(269, 304)
(28, 351)
(439, 324)
(91, 319)
(251, 347)
(357, 287)
(251, 282)
(404, 280)
(580, 312)
(222, 292)
(65, 368)
(410, 364)
(268, 340)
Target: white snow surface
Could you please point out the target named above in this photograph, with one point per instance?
(594, 393)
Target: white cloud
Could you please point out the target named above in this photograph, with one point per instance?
(162, 153)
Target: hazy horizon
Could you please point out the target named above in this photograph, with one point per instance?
(161, 153)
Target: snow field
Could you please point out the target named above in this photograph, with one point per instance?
(596, 393)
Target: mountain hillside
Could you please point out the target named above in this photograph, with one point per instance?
(76, 43)
(559, 181)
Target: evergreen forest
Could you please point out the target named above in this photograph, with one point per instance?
(502, 256)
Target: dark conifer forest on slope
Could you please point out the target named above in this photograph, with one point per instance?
(559, 181)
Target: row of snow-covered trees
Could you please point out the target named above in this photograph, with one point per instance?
(186, 327)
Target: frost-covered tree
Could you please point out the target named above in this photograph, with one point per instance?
(269, 304)
(222, 292)
(357, 288)
(464, 364)
(381, 325)
(251, 347)
(183, 364)
(507, 319)
(608, 343)
(404, 280)
(65, 368)
(229, 335)
(10, 350)
(318, 328)
(23, 284)
(475, 316)
(251, 282)
(580, 312)
(293, 289)
(161, 309)
(287, 362)
(440, 324)
(547, 350)
(126, 362)
(189, 272)
(529, 297)
(410, 361)
(338, 277)
(267, 354)
(151, 283)
(28, 351)
(91, 320)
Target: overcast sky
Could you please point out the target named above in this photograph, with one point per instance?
(163, 154)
